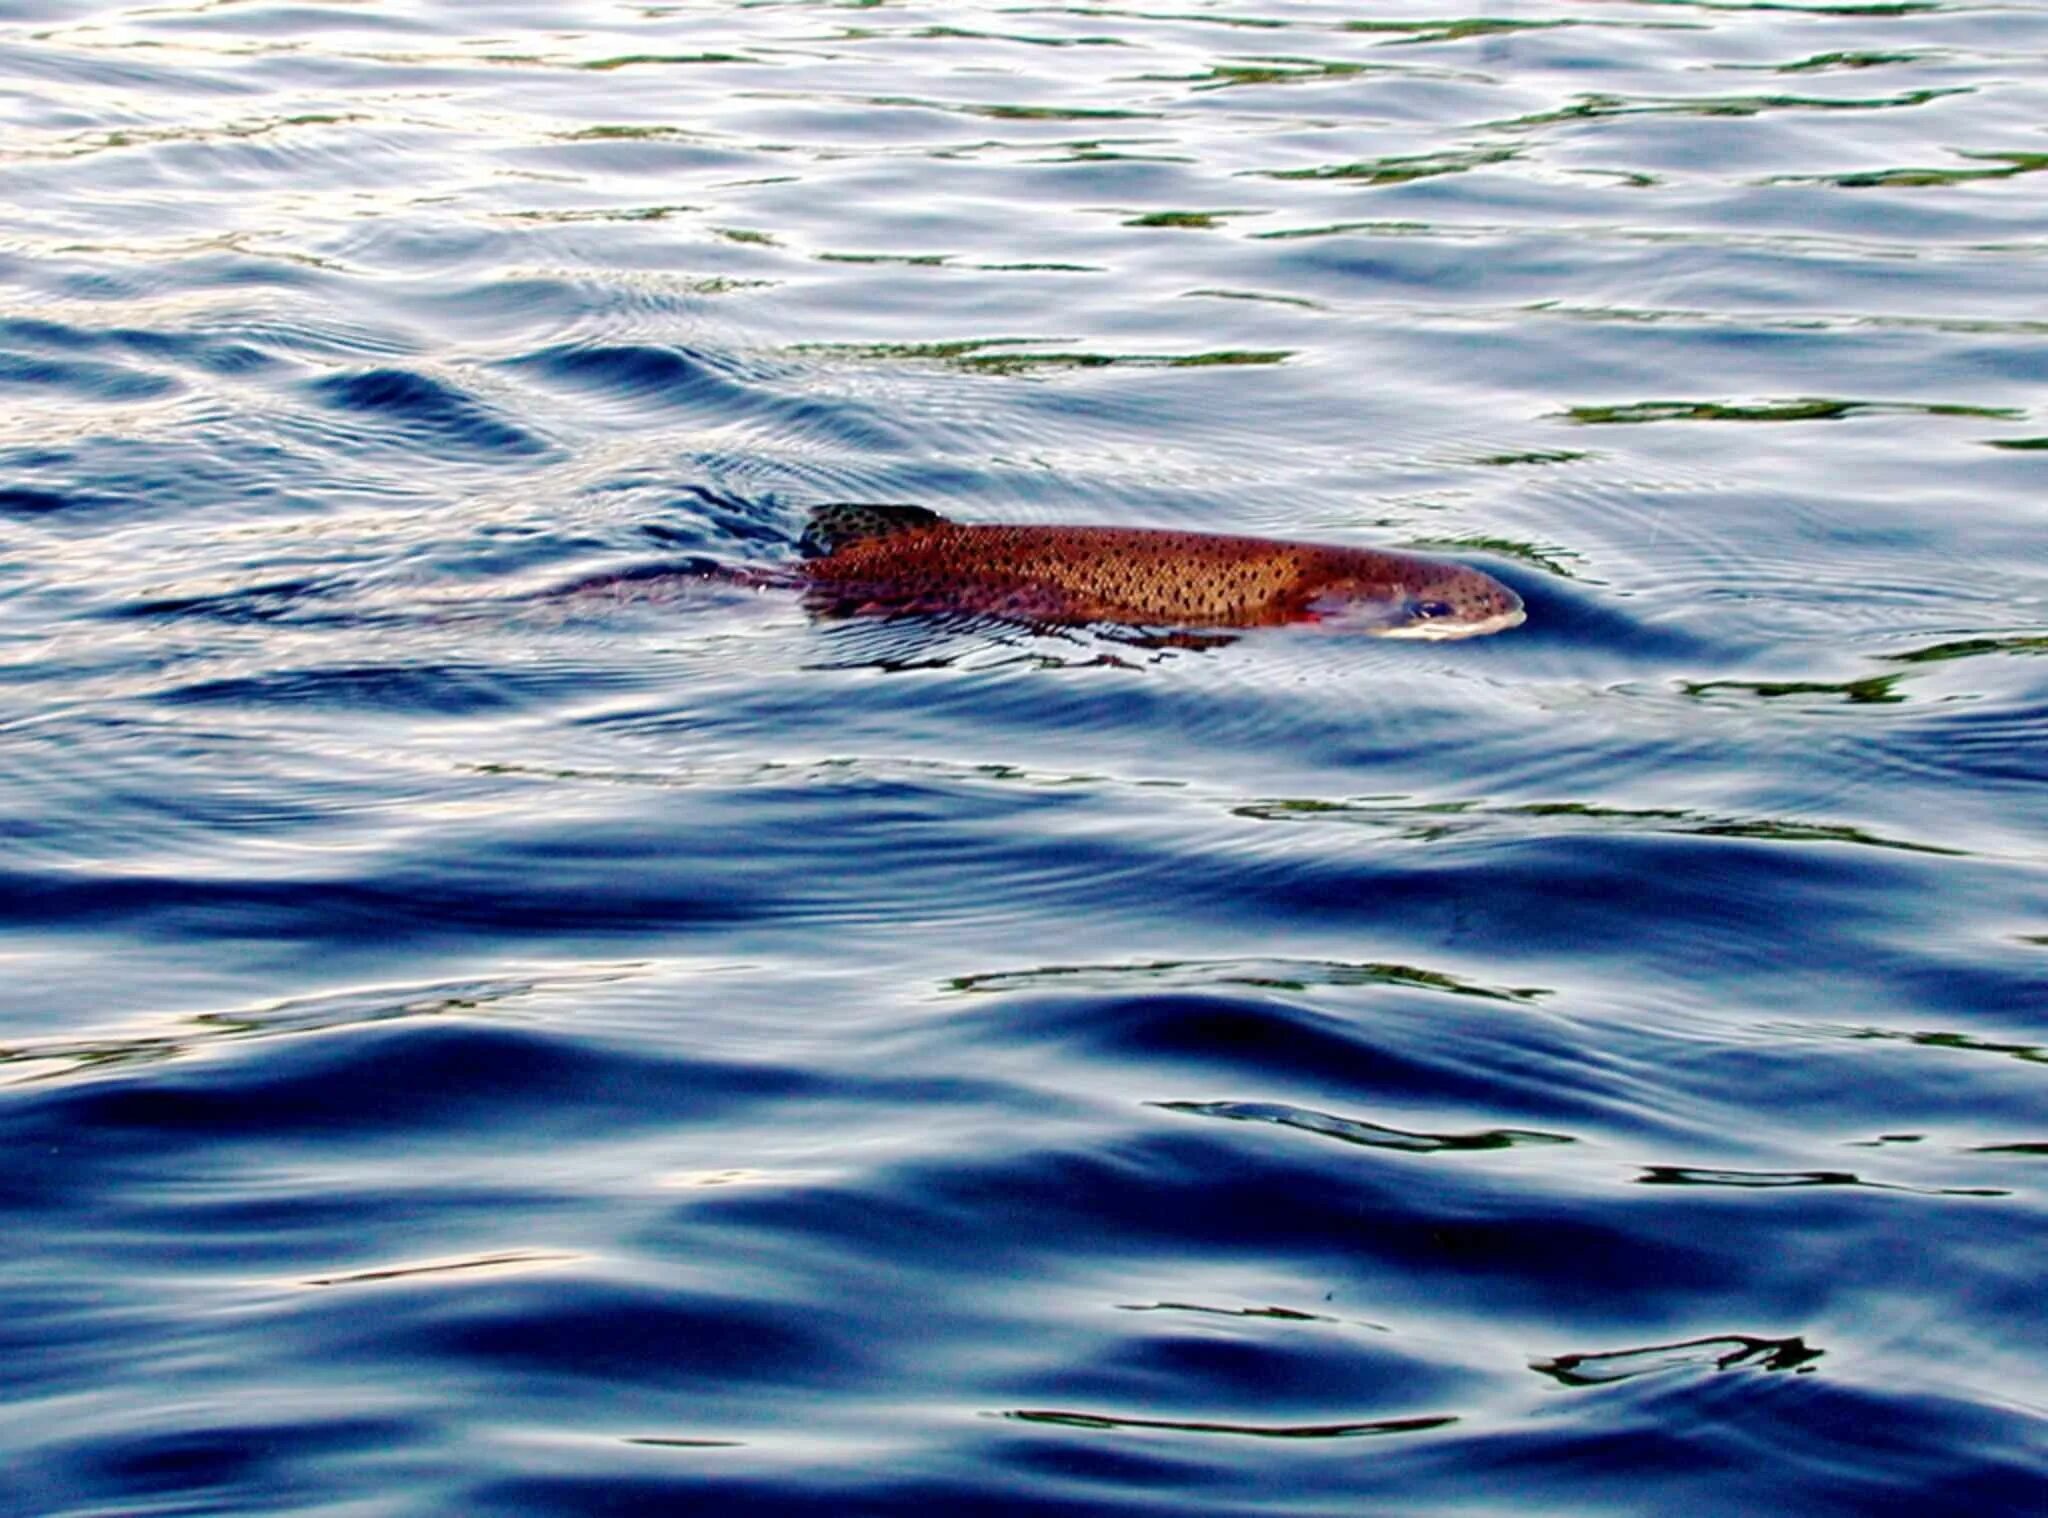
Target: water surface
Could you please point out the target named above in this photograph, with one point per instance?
(472, 1050)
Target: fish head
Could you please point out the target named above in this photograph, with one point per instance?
(1432, 601)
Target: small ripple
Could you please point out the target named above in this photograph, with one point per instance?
(1719, 1352)
(1268, 974)
(1398, 169)
(1796, 409)
(1781, 1180)
(1997, 166)
(1111, 1422)
(86, 379)
(312, 334)
(172, 1038)
(81, 63)
(678, 377)
(1429, 822)
(2033, 1054)
(425, 1069)
(503, 1263)
(1396, 1053)
(1349, 1130)
(416, 409)
(427, 688)
(1990, 742)
(1005, 356)
(1594, 107)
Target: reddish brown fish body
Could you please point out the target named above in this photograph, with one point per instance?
(905, 560)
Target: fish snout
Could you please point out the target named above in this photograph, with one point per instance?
(1466, 605)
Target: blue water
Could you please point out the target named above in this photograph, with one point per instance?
(471, 1049)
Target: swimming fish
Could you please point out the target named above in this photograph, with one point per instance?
(910, 560)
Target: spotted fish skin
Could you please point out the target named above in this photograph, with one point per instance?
(905, 560)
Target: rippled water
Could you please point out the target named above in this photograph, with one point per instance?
(474, 1050)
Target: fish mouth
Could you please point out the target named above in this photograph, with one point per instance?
(1445, 630)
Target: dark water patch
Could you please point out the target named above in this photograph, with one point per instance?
(670, 376)
(423, 902)
(201, 1463)
(428, 411)
(620, 1337)
(28, 501)
(1571, 614)
(430, 1073)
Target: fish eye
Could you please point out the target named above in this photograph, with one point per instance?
(1432, 608)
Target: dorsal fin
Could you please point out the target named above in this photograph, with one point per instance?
(831, 528)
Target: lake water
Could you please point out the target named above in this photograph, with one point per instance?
(465, 1049)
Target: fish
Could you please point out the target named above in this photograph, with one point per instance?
(897, 559)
